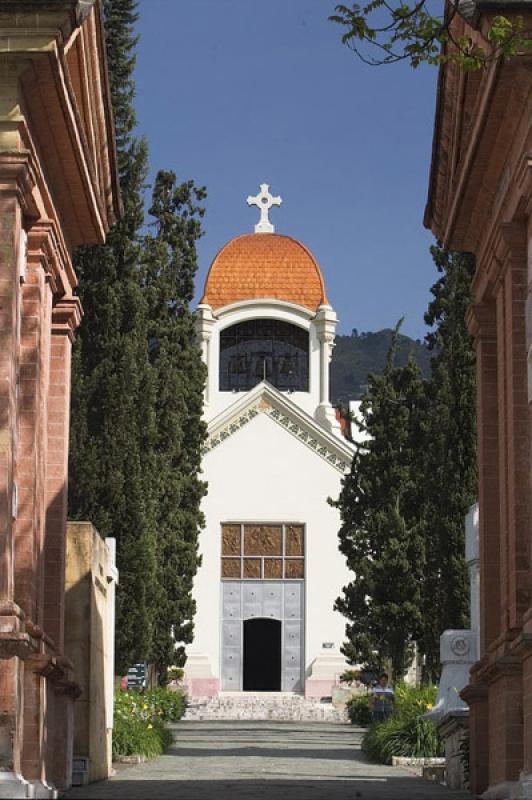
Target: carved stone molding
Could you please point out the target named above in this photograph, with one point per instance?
(10, 609)
(16, 644)
(474, 693)
(300, 432)
(504, 666)
(18, 176)
(66, 316)
(46, 247)
(58, 670)
(481, 321)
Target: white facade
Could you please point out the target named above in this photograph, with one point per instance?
(272, 458)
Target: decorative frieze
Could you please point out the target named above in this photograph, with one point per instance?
(303, 434)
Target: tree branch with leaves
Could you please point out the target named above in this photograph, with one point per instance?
(383, 32)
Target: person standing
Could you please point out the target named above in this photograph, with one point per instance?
(383, 699)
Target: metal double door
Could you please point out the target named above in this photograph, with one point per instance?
(279, 600)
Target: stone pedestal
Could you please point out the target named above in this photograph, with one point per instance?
(199, 680)
(453, 728)
(324, 675)
(91, 577)
(457, 655)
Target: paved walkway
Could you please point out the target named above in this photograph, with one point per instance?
(265, 761)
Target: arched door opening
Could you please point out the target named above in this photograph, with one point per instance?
(262, 655)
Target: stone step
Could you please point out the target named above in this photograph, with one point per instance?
(279, 707)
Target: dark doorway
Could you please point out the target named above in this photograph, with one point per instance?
(262, 655)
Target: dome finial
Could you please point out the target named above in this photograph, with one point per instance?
(264, 200)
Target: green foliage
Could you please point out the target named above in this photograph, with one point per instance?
(170, 265)
(381, 534)
(113, 423)
(405, 733)
(359, 711)
(403, 504)
(356, 356)
(139, 721)
(450, 482)
(385, 33)
(168, 705)
(137, 389)
(349, 676)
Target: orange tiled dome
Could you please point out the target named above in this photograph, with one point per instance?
(264, 265)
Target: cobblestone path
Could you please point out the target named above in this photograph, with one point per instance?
(264, 761)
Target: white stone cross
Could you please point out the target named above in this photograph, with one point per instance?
(264, 200)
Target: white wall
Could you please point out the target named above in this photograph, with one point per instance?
(263, 474)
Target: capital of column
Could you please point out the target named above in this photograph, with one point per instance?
(46, 248)
(18, 176)
(66, 316)
(481, 321)
(204, 320)
(325, 322)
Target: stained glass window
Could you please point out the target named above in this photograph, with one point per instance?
(264, 552)
(264, 349)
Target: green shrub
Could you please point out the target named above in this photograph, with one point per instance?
(359, 711)
(139, 721)
(139, 737)
(405, 733)
(168, 705)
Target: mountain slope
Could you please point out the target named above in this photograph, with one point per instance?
(354, 357)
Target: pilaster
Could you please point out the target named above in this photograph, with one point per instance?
(66, 315)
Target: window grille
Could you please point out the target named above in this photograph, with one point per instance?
(264, 349)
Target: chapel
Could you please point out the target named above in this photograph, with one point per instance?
(271, 569)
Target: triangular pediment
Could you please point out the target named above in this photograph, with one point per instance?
(281, 410)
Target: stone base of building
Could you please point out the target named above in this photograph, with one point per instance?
(199, 680)
(319, 687)
(324, 675)
(39, 789)
(453, 727)
(203, 687)
(525, 783)
(508, 790)
(14, 786)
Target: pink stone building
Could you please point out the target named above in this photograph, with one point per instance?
(58, 189)
(480, 200)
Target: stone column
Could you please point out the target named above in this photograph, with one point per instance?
(204, 325)
(473, 566)
(325, 323)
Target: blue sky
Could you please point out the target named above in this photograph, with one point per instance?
(234, 93)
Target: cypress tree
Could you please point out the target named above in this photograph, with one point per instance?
(381, 535)
(450, 480)
(170, 264)
(113, 420)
